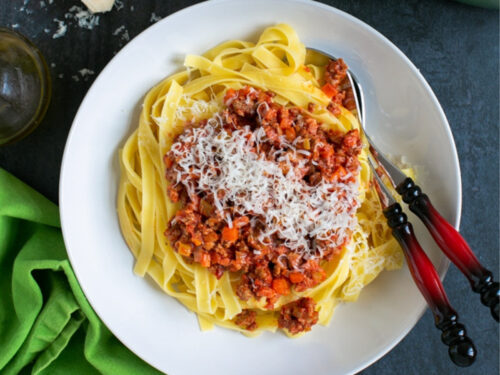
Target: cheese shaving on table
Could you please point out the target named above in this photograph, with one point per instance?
(231, 168)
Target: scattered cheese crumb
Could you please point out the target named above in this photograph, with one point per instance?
(61, 75)
(86, 72)
(42, 4)
(52, 65)
(23, 8)
(61, 29)
(119, 30)
(75, 78)
(119, 5)
(84, 18)
(15, 26)
(124, 33)
(125, 36)
(154, 18)
(132, 8)
(46, 31)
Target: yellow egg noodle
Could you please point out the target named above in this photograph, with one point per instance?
(276, 63)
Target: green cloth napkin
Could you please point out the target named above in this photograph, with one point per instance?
(46, 324)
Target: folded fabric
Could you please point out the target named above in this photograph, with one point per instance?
(46, 324)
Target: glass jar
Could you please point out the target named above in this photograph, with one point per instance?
(25, 86)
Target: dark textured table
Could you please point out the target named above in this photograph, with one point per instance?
(455, 47)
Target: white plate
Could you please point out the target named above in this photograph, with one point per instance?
(403, 115)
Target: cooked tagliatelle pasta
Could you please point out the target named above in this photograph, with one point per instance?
(245, 191)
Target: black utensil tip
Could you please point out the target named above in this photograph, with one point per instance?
(461, 349)
(463, 353)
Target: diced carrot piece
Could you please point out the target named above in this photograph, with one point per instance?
(290, 134)
(307, 69)
(168, 161)
(184, 249)
(230, 93)
(281, 286)
(211, 236)
(329, 90)
(285, 123)
(197, 239)
(339, 172)
(205, 259)
(230, 234)
(296, 277)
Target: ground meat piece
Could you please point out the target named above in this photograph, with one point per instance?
(351, 143)
(298, 316)
(244, 291)
(336, 76)
(336, 72)
(173, 193)
(242, 102)
(246, 320)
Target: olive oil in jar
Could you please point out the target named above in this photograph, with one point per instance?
(24, 86)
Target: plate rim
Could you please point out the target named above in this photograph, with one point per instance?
(441, 269)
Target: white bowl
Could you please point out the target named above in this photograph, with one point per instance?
(403, 115)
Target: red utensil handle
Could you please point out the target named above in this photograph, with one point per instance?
(461, 348)
(453, 245)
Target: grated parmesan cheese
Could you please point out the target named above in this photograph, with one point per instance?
(232, 170)
(61, 29)
(154, 18)
(86, 72)
(119, 30)
(192, 110)
(84, 18)
(119, 5)
(124, 33)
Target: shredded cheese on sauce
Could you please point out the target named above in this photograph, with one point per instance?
(232, 169)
